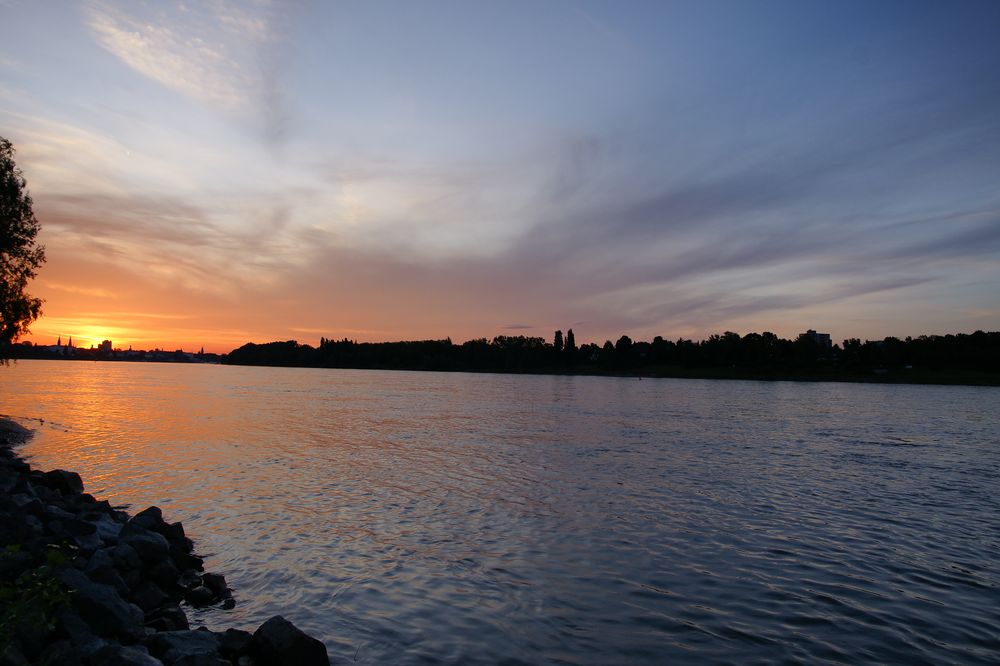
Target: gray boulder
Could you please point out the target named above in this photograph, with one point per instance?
(169, 617)
(234, 643)
(67, 483)
(172, 646)
(107, 529)
(126, 557)
(120, 655)
(148, 596)
(278, 642)
(150, 546)
(60, 653)
(102, 608)
(200, 596)
(216, 583)
(80, 635)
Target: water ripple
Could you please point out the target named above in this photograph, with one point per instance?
(416, 518)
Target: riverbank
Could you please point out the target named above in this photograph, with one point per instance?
(84, 583)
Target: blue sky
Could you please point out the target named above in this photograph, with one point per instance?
(219, 172)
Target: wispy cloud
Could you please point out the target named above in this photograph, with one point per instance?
(227, 55)
(195, 63)
(74, 289)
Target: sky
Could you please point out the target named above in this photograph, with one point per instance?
(214, 173)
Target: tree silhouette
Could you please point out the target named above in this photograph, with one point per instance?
(19, 255)
(951, 358)
(557, 342)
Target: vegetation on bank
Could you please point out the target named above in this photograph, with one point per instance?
(961, 359)
(20, 255)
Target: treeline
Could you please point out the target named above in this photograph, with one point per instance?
(729, 354)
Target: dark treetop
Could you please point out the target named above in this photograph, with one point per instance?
(19, 255)
(962, 358)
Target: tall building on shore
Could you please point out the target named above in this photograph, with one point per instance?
(822, 340)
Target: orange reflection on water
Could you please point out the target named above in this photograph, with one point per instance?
(110, 420)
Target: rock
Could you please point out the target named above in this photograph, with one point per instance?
(13, 564)
(23, 486)
(103, 557)
(149, 519)
(67, 483)
(60, 653)
(189, 580)
(107, 574)
(12, 432)
(174, 532)
(150, 546)
(83, 532)
(234, 643)
(148, 596)
(102, 608)
(11, 655)
(54, 528)
(101, 569)
(168, 617)
(107, 529)
(278, 642)
(34, 524)
(53, 512)
(165, 574)
(126, 558)
(103, 506)
(228, 603)
(216, 583)
(70, 625)
(183, 559)
(84, 500)
(29, 504)
(201, 660)
(171, 646)
(121, 655)
(8, 479)
(200, 596)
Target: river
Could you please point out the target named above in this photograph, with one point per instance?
(410, 518)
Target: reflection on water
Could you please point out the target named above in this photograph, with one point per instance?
(462, 518)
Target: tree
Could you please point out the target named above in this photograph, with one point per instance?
(20, 256)
(557, 342)
(570, 346)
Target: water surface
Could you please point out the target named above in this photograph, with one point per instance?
(463, 518)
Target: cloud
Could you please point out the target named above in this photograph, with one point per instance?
(172, 239)
(74, 289)
(192, 63)
(658, 215)
(226, 55)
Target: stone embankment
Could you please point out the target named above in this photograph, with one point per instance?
(82, 583)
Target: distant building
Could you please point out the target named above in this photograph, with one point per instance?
(105, 346)
(60, 348)
(822, 340)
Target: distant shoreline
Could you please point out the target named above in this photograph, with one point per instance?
(919, 378)
(915, 377)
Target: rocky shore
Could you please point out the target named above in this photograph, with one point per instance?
(83, 583)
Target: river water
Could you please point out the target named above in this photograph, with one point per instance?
(410, 518)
